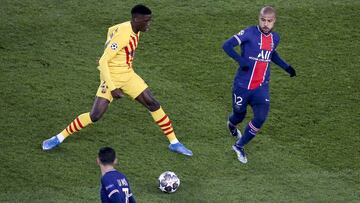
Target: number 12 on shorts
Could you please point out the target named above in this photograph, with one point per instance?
(238, 100)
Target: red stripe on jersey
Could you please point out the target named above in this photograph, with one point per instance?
(127, 55)
(132, 52)
(79, 123)
(166, 124)
(162, 119)
(131, 45)
(169, 132)
(134, 41)
(257, 75)
(75, 126)
(266, 42)
(67, 131)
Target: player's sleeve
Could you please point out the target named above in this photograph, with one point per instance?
(278, 60)
(112, 47)
(275, 57)
(234, 41)
(242, 36)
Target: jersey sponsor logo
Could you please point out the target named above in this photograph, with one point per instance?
(114, 46)
(264, 55)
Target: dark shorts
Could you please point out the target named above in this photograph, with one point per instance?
(243, 97)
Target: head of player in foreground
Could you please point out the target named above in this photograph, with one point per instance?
(267, 18)
(140, 18)
(106, 159)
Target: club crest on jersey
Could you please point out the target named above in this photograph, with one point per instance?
(241, 32)
(114, 46)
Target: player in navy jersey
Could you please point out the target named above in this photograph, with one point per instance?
(115, 187)
(251, 84)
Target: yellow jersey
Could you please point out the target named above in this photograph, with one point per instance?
(120, 46)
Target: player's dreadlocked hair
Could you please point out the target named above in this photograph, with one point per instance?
(140, 9)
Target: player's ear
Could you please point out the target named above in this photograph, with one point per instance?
(98, 160)
(135, 18)
(115, 161)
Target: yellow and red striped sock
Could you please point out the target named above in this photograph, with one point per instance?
(77, 124)
(164, 123)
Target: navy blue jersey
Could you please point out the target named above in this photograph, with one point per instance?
(115, 188)
(257, 49)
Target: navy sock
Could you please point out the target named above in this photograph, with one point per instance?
(249, 134)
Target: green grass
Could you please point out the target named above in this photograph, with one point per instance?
(307, 151)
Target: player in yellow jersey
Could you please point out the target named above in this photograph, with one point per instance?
(117, 77)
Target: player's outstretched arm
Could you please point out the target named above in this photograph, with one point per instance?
(111, 48)
(280, 62)
(228, 47)
(104, 69)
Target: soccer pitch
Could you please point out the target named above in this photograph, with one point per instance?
(307, 151)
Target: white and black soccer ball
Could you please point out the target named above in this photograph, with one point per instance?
(168, 182)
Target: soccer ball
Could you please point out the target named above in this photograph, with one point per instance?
(168, 182)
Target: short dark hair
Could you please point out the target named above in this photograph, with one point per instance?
(107, 155)
(268, 10)
(140, 9)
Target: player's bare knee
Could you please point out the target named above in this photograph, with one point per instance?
(153, 105)
(95, 116)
